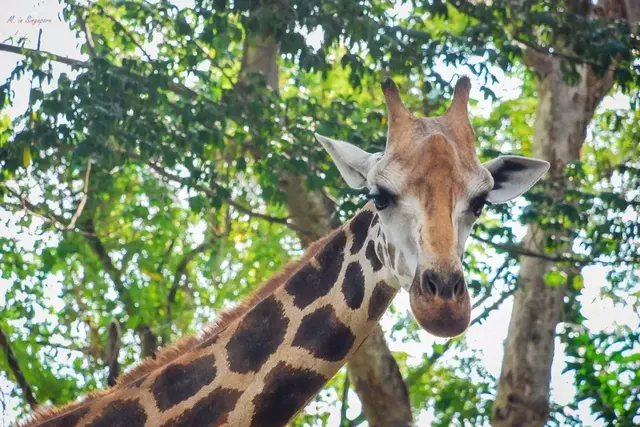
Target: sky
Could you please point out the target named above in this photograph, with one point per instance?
(26, 18)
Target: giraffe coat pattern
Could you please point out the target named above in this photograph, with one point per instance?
(243, 375)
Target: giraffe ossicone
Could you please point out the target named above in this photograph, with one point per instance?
(262, 362)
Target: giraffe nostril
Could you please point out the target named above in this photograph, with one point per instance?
(458, 285)
(429, 283)
(431, 287)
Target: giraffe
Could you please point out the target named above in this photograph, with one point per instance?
(261, 362)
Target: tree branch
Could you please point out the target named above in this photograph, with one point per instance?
(209, 192)
(176, 88)
(344, 422)
(148, 341)
(58, 221)
(88, 35)
(17, 373)
(181, 271)
(51, 56)
(357, 420)
(114, 343)
(467, 8)
(496, 276)
(84, 350)
(517, 249)
(123, 30)
(107, 265)
(83, 201)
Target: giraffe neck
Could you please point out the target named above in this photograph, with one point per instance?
(266, 364)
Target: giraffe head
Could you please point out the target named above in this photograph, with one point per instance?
(429, 188)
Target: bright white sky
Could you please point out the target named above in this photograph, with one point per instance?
(487, 338)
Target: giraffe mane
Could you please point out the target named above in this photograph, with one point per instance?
(173, 351)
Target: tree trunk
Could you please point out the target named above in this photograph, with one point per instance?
(372, 369)
(562, 118)
(376, 377)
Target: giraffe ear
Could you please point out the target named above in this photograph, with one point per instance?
(513, 175)
(353, 163)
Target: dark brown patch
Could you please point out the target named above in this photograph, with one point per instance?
(67, 420)
(380, 299)
(210, 411)
(505, 170)
(353, 286)
(309, 284)
(359, 227)
(376, 219)
(286, 391)
(392, 255)
(178, 382)
(372, 257)
(324, 335)
(259, 334)
(127, 413)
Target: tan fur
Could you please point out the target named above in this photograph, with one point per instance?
(184, 345)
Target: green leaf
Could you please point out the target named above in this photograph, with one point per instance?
(555, 278)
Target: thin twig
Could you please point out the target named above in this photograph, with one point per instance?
(17, 373)
(176, 88)
(114, 344)
(83, 201)
(88, 35)
(357, 420)
(496, 276)
(517, 249)
(209, 192)
(181, 271)
(344, 422)
(84, 350)
(124, 30)
(41, 212)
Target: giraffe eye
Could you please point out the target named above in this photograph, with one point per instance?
(381, 199)
(477, 205)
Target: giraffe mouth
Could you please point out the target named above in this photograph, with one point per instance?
(441, 313)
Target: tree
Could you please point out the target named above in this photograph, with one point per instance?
(564, 111)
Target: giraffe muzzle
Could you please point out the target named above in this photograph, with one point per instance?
(440, 303)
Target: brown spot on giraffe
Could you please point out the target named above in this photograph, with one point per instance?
(178, 382)
(258, 336)
(380, 299)
(126, 413)
(309, 284)
(210, 411)
(324, 335)
(353, 286)
(285, 391)
(70, 419)
(359, 227)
